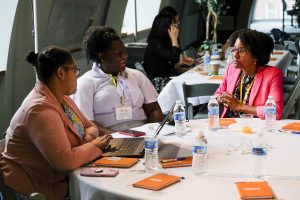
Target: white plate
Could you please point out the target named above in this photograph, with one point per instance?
(238, 127)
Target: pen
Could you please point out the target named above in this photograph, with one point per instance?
(172, 159)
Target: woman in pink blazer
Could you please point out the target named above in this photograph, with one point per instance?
(248, 81)
(48, 135)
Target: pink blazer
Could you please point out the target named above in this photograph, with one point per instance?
(42, 145)
(268, 81)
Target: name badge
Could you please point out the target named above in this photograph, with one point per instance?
(123, 111)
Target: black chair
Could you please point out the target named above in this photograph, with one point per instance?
(205, 89)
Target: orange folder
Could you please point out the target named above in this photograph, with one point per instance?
(157, 181)
(120, 162)
(294, 126)
(224, 122)
(216, 77)
(179, 163)
(254, 190)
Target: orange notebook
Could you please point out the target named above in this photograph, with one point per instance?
(224, 122)
(157, 181)
(294, 126)
(178, 163)
(216, 77)
(254, 190)
(121, 162)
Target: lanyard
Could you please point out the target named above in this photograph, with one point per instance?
(247, 91)
(115, 79)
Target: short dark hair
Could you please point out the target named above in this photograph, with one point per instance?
(259, 44)
(98, 39)
(48, 61)
(169, 10)
(160, 26)
(232, 38)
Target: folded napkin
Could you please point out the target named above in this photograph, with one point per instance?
(217, 77)
(277, 52)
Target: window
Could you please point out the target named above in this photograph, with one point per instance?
(146, 11)
(267, 14)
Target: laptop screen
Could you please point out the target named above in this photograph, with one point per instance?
(161, 125)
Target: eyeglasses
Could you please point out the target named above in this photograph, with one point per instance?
(75, 69)
(241, 51)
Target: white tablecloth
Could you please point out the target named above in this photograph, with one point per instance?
(173, 90)
(226, 164)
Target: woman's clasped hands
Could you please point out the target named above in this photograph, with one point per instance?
(229, 101)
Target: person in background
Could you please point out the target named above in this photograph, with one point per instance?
(113, 96)
(248, 80)
(162, 54)
(48, 135)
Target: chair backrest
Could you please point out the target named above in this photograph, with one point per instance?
(292, 100)
(205, 89)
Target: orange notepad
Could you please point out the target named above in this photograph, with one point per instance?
(223, 122)
(157, 181)
(277, 52)
(254, 190)
(115, 162)
(294, 126)
(179, 163)
(216, 77)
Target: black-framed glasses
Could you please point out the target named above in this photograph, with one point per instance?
(75, 69)
(242, 51)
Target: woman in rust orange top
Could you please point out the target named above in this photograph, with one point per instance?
(48, 135)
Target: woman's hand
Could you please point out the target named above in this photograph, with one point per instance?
(186, 60)
(102, 142)
(229, 101)
(173, 33)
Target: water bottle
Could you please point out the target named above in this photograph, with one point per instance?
(179, 119)
(199, 154)
(270, 113)
(206, 61)
(213, 114)
(151, 154)
(259, 154)
(214, 50)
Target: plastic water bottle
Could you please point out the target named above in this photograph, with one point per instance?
(151, 154)
(179, 119)
(206, 61)
(213, 114)
(270, 114)
(214, 50)
(259, 154)
(199, 154)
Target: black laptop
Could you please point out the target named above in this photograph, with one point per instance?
(131, 147)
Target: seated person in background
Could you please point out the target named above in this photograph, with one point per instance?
(248, 80)
(111, 95)
(48, 135)
(162, 55)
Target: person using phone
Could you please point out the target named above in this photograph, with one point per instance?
(48, 135)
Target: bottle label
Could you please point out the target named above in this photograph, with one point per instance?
(259, 151)
(179, 116)
(200, 149)
(270, 110)
(151, 144)
(213, 111)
